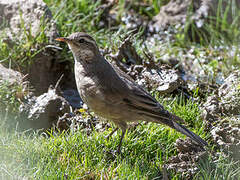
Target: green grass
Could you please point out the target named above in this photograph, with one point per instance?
(222, 28)
(221, 168)
(76, 155)
(145, 150)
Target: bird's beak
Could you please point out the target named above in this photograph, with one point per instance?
(63, 39)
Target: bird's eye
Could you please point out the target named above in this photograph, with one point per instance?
(81, 40)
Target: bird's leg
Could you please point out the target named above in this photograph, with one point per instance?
(134, 125)
(120, 143)
(110, 134)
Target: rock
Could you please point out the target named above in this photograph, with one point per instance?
(172, 13)
(10, 75)
(226, 102)
(185, 162)
(211, 109)
(44, 111)
(46, 69)
(15, 82)
(63, 122)
(225, 131)
(229, 94)
(146, 73)
(128, 52)
(178, 12)
(26, 20)
(226, 134)
(13, 88)
(23, 16)
(164, 80)
(82, 120)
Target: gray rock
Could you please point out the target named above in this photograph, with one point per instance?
(47, 68)
(177, 12)
(148, 74)
(7, 74)
(185, 162)
(226, 134)
(227, 101)
(229, 94)
(25, 19)
(165, 81)
(211, 109)
(26, 16)
(221, 114)
(43, 111)
(172, 13)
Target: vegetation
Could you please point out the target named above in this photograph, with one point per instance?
(146, 148)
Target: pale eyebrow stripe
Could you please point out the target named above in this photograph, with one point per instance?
(87, 37)
(89, 40)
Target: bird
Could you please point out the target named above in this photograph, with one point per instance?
(112, 94)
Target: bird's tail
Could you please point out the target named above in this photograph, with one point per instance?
(182, 129)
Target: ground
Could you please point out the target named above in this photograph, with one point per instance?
(148, 150)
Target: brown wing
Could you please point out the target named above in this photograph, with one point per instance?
(139, 99)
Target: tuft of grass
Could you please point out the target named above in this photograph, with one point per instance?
(21, 50)
(73, 16)
(222, 168)
(223, 28)
(8, 95)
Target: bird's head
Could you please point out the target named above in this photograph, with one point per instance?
(82, 45)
